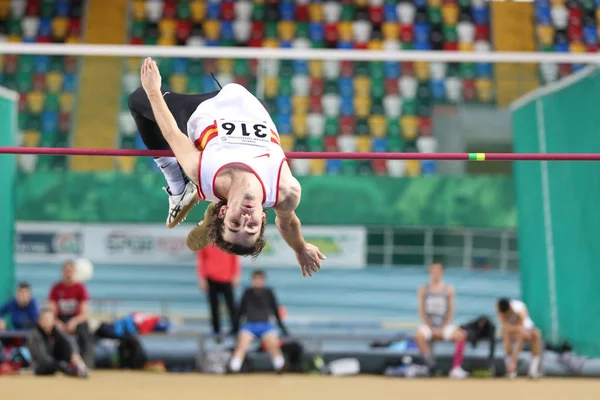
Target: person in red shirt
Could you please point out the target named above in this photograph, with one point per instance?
(68, 300)
(219, 272)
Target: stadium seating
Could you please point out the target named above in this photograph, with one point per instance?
(331, 105)
(46, 84)
(566, 26)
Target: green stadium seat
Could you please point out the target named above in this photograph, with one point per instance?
(56, 63)
(349, 167)
(24, 80)
(393, 127)
(183, 10)
(332, 126)
(52, 103)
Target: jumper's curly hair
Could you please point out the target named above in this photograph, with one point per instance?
(215, 234)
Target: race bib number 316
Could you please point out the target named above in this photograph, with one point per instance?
(246, 132)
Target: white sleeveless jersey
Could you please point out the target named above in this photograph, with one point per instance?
(234, 128)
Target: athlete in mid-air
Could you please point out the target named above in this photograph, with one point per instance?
(228, 146)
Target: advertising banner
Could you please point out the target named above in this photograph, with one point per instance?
(48, 242)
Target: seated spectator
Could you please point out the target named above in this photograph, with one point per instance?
(257, 307)
(22, 310)
(518, 327)
(69, 302)
(52, 351)
(436, 308)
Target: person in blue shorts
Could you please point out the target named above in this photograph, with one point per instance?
(257, 308)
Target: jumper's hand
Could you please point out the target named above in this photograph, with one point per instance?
(150, 76)
(309, 259)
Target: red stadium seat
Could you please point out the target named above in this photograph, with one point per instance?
(136, 41)
(347, 68)
(301, 12)
(331, 32)
(347, 125)
(575, 16)
(407, 33)
(379, 167)
(425, 126)
(469, 89)
(74, 27)
(315, 105)
(39, 82)
(575, 33)
(183, 30)
(408, 68)
(564, 70)
(170, 9)
(482, 32)
(451, 46)
(33, 8)
(227, 11)
(391, 86)
(331, 143)
(376, 14)
(317, 86)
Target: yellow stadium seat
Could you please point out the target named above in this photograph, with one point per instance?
(126, 164)
(362, 106)
(271, 43)
(299, 125)
(198, 10)
(300, 104)
(212, 29)
(4, 8)
(31, 138)
(315, 67)
(287, 30)
(484, 89)
(166, 27)
(463, 46)
(598, 18)
(66, 101)
(317, 167)
(315, 12)
(166, 41)
(35, 102)
(14, 39)
(558, 2)
(134, 64)
(54, 81)
(73, 40)
(60, 27)
(377, 125)
(434, 3)
(361, 3)
(413, 168)
(577, 47)
(179, 83)
(450, 14)
(363, 144)
(1, 62)
(362, 86)
(287, 142)
(545, 34)
(389, 30)
(410, 127)
(225, 66)
(139, 9)
(375, 45)
(271, 86)
(345, 31)
(422, 70)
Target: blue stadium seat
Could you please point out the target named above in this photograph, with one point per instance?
(481, 15)
(438, 89)
(346, 86)
(208, 84)
(286, 44)
(212, 43)
(561, 47)
(284, 123)
(345, 45)
(227, 30)
(61, 8)
(346, 106)
(334, 167)
(284, 104)
(543, 16)
(49, 120)
(301, 67)
(30, 39)
(41, 64)
(590, 34)
(380, 145)
(287, 11)
(483, 70)
(422, 31)
(428, 167)
(391, 69)
(70, 83)
(389, 13)
(420, 3)
(45, 28)
(422, 45)
(316, 31)
(213, 10)
(180, 66)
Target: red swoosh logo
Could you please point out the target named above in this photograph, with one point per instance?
(264, 155)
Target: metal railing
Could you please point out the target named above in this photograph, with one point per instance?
(470, 248)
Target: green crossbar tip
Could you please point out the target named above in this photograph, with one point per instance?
(476, 156)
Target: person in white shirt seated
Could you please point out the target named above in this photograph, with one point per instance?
(518, 328)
